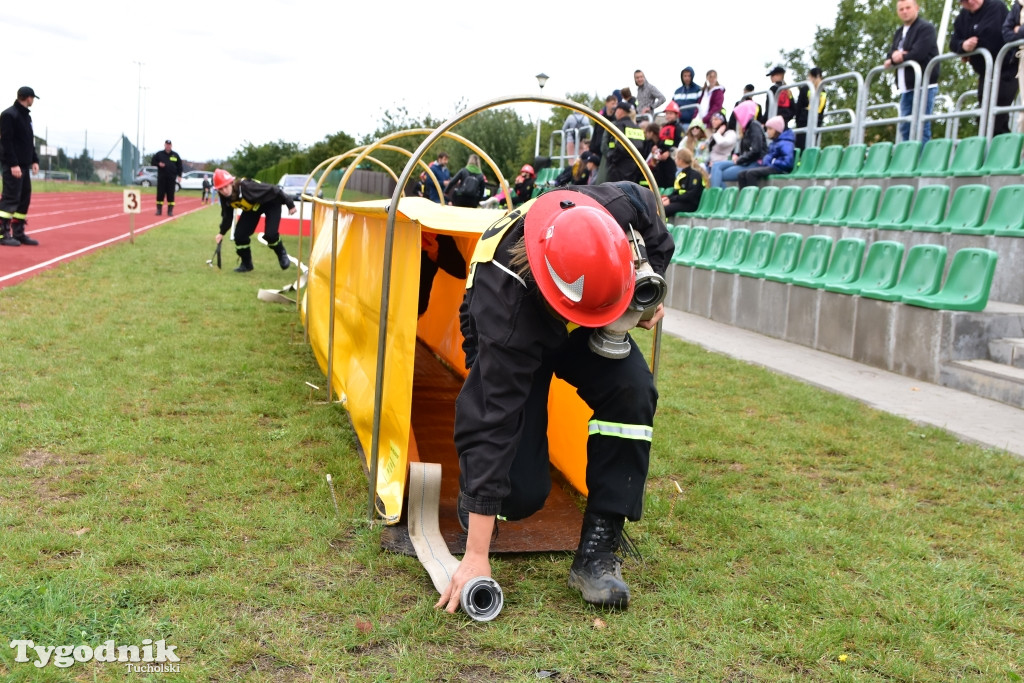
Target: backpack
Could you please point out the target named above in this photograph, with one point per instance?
(471, 187)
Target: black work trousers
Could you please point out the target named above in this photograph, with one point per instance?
(17, 194)
(622, 395)
(165, 186)
(1004, 98)
(249, 220)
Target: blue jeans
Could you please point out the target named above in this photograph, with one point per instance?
(907, 103)
(722, 171)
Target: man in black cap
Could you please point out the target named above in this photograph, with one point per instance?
(785, 108)
(17, 158)
(621, 165)
(168, 174)
(980, 25)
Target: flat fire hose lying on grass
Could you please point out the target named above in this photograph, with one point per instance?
(277, 296)
(481, 597)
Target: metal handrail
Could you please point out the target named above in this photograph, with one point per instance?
(854, 126)
(915, 109)
(994, 109)
(954, 128)
(956, 114)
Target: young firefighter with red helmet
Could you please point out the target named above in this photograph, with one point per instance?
(254, 199)
(554, 287)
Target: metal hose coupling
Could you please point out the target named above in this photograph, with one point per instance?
(482, 598)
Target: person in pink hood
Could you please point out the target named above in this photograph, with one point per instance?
(753, 145)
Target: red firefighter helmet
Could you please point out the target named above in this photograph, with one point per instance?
(672, 106)
(580, 258)
(528, 169)
(222, 178)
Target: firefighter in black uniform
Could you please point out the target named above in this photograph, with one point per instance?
(168, 173)
(545, 281)
(17, 158)
(255, 199)
(620, 164)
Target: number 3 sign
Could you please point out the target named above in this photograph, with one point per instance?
(132, 201)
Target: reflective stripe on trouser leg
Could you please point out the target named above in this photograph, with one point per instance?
(622, 431)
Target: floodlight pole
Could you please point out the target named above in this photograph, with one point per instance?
(542, 78)
(138, 119)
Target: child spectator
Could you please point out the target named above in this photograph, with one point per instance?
(723, 140)
(780, 156)
(712, 97)
(687, 187)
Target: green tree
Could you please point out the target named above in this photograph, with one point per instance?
(251, 159)
(83, 168)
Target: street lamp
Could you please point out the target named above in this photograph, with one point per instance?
(542, 78)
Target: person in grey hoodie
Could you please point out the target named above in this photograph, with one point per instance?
(686, 97)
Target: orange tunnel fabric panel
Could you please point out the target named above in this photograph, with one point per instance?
(361, 234)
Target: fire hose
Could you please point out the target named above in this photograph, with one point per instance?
(481, 597)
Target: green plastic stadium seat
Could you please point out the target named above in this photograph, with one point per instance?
(764, 205)
(678, 232)
(1006, 217)
(735, 249)
(695, 240)
(808, 162)
(895, 207)
(904, 159)
(864, 205)
(934, 160)
(852, 161)
(786, 202)
(929, 208)
(714, 247)
(922, 274)
(881, 269)
(1003, 155)
(726, 200)
(744, 203)
(844, 266)
(828, 162)
(812, 264)
(708, 203)
(757, 256)
(837, 203)
(877, 162)
(967, 285)
(968, 157)
(966, 211)
(811, 201)
(783, 258)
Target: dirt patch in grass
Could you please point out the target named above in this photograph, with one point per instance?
(36, 460)
(268, 668)
(55, 469)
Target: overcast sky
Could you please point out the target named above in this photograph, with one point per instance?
(216, 75)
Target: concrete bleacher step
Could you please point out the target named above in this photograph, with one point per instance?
(1008, 351)
(989, 379)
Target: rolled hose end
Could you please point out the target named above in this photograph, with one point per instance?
(482, 599)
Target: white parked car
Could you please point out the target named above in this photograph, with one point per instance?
(292, 184)
(193, 180)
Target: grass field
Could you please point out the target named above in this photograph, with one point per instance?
(162, 477)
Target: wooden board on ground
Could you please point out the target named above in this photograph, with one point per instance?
(555, 528)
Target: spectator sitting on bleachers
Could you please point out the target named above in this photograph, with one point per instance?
(780, 157)
(712, 97)
(696, 136)
(722, 142)
(687, 186)
(522, 191)
(686, 96)
(648, 97)
(579, 172)
(626, 95)
(753, 146)
(657, 151)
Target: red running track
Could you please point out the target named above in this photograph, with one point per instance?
(70, 224)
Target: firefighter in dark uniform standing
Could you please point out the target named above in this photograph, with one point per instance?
(255, 199)
(17, 158)
(545, 282)
(168, 173)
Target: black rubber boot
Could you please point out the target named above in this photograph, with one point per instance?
(170, 209)
(5, 234)
(246, 265)
(18, 232)
(159, 209)
(282, 255)
(596, 570)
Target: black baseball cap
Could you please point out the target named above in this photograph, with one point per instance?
(167, 142)
(25, 91)
(775, 71)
